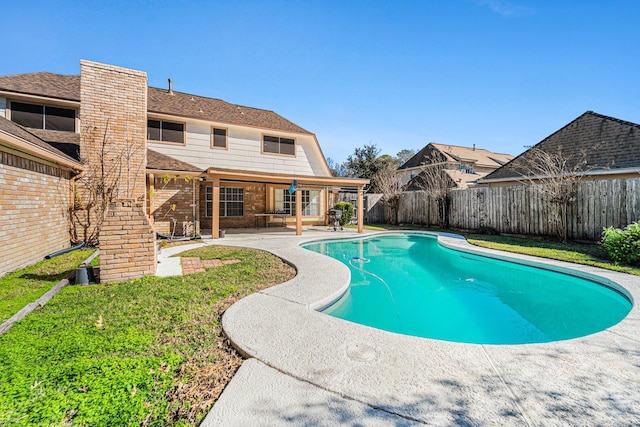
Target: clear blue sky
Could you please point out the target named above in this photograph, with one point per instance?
(500, 74)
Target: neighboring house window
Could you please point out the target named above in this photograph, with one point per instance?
(286, 202)
(277, 145)
(231, 201)
(160, 130)
(218, 138)
(466, 168)
(43, 117)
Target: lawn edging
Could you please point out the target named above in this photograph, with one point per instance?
(40, 302)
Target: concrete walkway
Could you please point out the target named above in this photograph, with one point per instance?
(308, 368)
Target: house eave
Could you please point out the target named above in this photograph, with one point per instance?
(280, 178)
(26, 147)
(603, 172)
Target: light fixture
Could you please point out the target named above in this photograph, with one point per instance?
(293, 187)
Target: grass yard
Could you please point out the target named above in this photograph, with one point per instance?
(26, 285)
(579, 253)
(142, 352)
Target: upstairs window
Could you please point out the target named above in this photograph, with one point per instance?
(219, 138)
(163, 131)
(277, 145)
(466, 168)
(43, 117)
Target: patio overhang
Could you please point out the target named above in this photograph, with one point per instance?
(216, 175)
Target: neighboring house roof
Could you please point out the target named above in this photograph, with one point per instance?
(162, 162)
(599, 142)
(14, 129)
(158, 101)
(453, 153)
(462, 179)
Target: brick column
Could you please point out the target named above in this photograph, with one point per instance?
(127, 243)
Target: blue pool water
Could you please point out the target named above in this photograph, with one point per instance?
(408, 283)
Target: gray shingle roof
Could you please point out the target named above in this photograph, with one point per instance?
(159, 101)
(600, 141)
(159, 161)
(444, 152)
(18, 131)
(187, 105)
(43, 84)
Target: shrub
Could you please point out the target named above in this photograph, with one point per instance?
(623, 246)
(347, 212)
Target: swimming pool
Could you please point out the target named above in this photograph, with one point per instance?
(410, 284)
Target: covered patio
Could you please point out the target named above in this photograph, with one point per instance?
(292, 184)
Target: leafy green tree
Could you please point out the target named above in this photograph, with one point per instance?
(364, 162)
(336, 169)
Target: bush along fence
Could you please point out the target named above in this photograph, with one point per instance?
(520, 209)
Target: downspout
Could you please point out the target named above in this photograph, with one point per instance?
(193, 206)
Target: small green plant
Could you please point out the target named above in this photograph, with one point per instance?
(623, 246)
(347, 212)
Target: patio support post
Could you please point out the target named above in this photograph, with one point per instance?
(215, 214)
(326, 206)
(298, 212)
(360, 210)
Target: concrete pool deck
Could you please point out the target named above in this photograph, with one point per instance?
(308, 368)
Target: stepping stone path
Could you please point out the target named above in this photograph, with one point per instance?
(192, 265)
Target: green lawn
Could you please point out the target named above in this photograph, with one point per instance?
(579, 253)
(142, 352)
(26, 285)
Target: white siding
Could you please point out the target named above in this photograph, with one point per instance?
(244, 151)
(3, 107)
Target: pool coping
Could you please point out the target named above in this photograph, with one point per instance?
(315, 361)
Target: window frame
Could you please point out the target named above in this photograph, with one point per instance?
(279, 153)
(289, 199)
(184, 131)
(43, 114)
(208, 200)
(226, 138)
(466, 168)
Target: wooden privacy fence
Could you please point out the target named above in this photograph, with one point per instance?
(520, 209)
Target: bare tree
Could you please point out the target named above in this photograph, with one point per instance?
(437, 184)
(387, 184)
(106, 178)
(555, 177)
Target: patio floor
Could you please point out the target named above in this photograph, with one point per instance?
(307, 368)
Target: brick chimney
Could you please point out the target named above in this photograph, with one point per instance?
(113, 114)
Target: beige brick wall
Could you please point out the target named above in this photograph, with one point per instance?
(173, 199)
(114, 109)
(114, 105)
(34, 215)
(127, 243)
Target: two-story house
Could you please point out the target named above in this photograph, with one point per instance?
(462, 166)
(193, 162)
